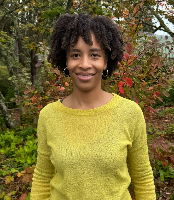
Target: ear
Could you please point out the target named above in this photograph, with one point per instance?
(106, 61)
(105, 67)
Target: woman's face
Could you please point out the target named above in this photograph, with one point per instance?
(86, 59)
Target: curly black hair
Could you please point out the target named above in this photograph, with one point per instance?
(70, 26)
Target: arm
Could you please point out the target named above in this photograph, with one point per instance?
(139, 164)
(44, 170)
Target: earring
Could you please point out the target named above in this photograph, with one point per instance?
(66, 73)
(106, 74)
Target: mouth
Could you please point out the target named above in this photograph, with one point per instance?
(85, 75)
(85, 78)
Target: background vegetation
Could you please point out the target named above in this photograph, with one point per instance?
(28, 82)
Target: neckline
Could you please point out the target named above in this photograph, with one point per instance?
(97, 110)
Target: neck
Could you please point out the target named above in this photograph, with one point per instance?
(83, 100)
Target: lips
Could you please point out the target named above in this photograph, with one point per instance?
(85, 74)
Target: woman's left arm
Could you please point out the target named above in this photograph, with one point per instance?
(138, 160)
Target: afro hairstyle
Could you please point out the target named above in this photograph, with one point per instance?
(70, 26)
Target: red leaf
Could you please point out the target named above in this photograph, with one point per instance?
(165, 163)
(39, 106)
(121, 90)
(151, 109)
(23, 196)
(32, 99)
(126, 56)
(128, 81)
(62, 88)
(129, 48)
(157, 94)
(137, 102)
(120, 84)
(130, 63)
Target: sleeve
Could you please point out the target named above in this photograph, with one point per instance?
(138, 160)
(44, 170)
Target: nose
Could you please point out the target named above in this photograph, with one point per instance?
(85, 62)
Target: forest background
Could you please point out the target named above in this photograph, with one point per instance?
(28, 82)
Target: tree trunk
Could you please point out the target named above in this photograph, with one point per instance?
(8, 121)
(33, 66)
(69, 5)
(20, 52)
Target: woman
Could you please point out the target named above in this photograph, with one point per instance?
(87, 141)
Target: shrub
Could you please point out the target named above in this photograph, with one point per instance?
(167, 101)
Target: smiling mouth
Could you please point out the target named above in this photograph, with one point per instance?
(85, 75)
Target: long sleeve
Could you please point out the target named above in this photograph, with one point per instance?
(44, 170)
(139, 164)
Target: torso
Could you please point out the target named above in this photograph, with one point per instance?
(68, 103)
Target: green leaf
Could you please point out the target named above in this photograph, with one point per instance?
(162, 173)
(7, 198)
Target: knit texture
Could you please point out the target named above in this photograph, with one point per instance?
(85, 154)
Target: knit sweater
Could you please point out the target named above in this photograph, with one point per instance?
(92, 154)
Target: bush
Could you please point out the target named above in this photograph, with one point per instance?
(167, 101)
(20, 145)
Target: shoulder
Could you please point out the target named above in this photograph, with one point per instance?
(129, 107)
(48, 111)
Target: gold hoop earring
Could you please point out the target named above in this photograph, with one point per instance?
(106, 74)
(66, 73)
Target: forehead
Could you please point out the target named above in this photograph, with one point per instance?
(81, 42)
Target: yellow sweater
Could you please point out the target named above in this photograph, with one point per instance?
(85, 154)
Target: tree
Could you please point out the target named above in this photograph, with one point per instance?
(8, 121)
(30, 23)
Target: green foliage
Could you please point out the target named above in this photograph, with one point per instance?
(27, 154)
(8, 143)
(2, 121)
(22, 146)
(53, 12)
(164, 172)
(170, 129)
(165, 112)
(5, 87)
(4, 80)
(172, 197)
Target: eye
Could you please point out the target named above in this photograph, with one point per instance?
(95, 55)
(75, 55)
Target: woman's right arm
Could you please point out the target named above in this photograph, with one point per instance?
(44, 170)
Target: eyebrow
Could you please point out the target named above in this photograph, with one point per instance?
(92, 50)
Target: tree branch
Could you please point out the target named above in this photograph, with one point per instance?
(69, 5)
(162, 24)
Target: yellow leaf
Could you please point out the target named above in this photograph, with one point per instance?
(8, 179)
(31, 46)
(19, 174)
